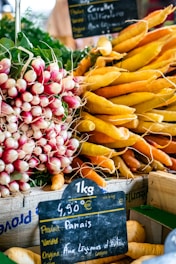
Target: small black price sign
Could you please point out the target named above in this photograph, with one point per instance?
(85, 224)
(98, 17)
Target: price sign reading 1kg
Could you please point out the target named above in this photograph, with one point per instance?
(85, 224)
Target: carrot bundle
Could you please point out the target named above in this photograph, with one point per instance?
(130, 96)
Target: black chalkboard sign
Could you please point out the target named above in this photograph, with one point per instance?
(85, 224)
(99, 17)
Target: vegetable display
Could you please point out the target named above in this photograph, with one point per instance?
(94, 120)
(128, 88)
(138, 250)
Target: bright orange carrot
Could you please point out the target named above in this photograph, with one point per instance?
(152, 152)
(83, 66)
(88, 172)
(163, 142)
(120, 89)
(57, 181)
(106, 163)
(130, 160)
(100, 138)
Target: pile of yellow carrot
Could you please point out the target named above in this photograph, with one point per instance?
(127, 124)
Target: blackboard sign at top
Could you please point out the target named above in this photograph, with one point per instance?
(92, 18)
(81, 228)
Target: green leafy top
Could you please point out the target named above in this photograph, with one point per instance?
(39, 42)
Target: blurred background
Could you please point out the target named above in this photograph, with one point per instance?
(33, 8)
(53, 16)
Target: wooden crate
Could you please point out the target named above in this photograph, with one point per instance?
(19, 218)
(162, 191)
(157, 223)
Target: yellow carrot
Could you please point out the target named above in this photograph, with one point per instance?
(84, 126)
(93, 82)
(87, 148)
(154, 127)
(150, 116)
(123, 143)
(117, 120)
(168, 116)
(129, 44)
(157, 17)
(160, 83)
(99, 105)
(130, 32)
(156, 34)
(161, 66)
(107, 128)
(168, 57)
(102, 61)
(159, 42)
(154, 102)
(104, 45)
(142, 58)
(169, 101)
(103, 70)
(132, 98)
(123, 168)
(131, 124)
(126, 77)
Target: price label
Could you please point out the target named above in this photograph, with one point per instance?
(92, 18)
(82, 227)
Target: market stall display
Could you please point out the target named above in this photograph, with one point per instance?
(109, 116)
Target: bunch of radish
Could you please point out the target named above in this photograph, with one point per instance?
(36, 112)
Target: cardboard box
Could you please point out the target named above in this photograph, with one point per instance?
(19, 218)
(162, 191)
(157, 223)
